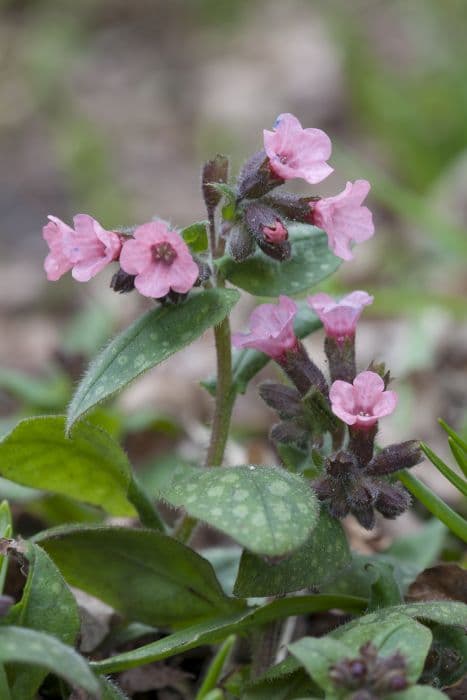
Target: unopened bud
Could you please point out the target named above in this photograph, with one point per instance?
(302, 371)
(268, 230)
(256, 177)
(291, 206)
(395, 457)
(122, 282)
(240, 243)
(392, 500)
(214, 171)
(283, 399)
(204, 273)
(289, 433)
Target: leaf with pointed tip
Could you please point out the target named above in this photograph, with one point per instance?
(153, 338)
(196, 237)
(265, 509)
(316, 562)
(310, 263)
(33, 648)
(145, 575)
(89, 466)
(213, 631)
(47, 605)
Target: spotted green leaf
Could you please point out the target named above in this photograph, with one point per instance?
(32, 648)
(89, 466)
(47, 605)
(265, 509)
(310, 263)
(153, 338)
(319, 560)
(146, 576)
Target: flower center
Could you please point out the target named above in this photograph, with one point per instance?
(365, 414)
(163, 253)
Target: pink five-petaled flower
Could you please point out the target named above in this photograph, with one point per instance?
(344, 219)
(271, 329)
(277, 233)
(160, 259)
(362, 403)
(85, 250)
(340, 318)
(296, 152)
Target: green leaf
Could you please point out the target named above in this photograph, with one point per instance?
(447, 472)
(455, 522)
(318, 655)
(26, 646)
(418, 692)
(196, 237)
(153, 338)
(247, 363)
(448, 657)
(420, 549)
(47, 605)
(319, 560)
(110, 691)
(310, 263)
(396, 632)
(214, 631)
(265, 509)
(146, 576)
(443, 612)
(384, 589)
(89, 466)
(6, 529)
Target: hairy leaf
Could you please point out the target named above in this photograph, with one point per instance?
(265, 509)
(145, 575)
(153, 338)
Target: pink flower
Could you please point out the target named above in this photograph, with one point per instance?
(344, 218)
(362, 403)
(90, 247)
(277, 233)
(271, 329)
(85, 250)
(296, 152)
(57, 263)
(340, 317)
(160, 259)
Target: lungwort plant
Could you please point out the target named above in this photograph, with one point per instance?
(289, 611)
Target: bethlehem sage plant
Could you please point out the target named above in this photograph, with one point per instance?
(297, 614)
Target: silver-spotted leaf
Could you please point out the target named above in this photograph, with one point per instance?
(265, 509)
(150, 340)
(317, 561)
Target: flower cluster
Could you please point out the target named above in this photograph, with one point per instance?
(370, 676)
(155, 259)
(292, 152)
(353, 479)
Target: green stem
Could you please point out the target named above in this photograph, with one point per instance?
(146, 509)
(435, 505)
(4, 688)
(215, 669)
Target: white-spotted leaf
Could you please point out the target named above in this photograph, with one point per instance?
(153, 338)
(265, 509)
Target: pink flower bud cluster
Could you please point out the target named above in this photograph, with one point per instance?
(294, 152)
(157, 256)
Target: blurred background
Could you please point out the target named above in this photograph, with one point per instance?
(109, 107)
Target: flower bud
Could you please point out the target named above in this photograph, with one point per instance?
(240, 243)
(285, 400)
(395, 457)
(214, 171)
(256, 177)
(205, 271)
(392, 500)
(122, 282)
(289, 433)
(268, 230)
(291, 206)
